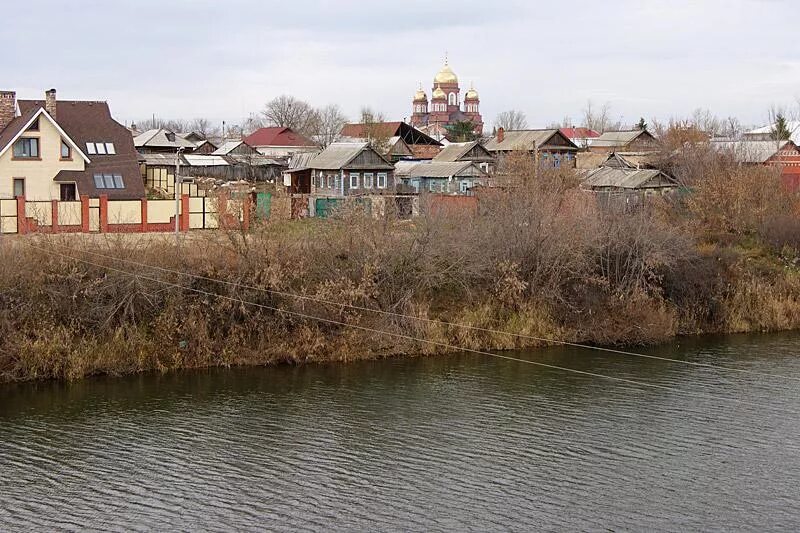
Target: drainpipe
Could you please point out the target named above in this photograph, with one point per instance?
(341, 181)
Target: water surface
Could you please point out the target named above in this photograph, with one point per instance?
(453, 443)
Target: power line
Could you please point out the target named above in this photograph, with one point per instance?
(435, 321)
(426, 341)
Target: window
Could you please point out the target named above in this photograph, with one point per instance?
(101, 149)
(354, 180)
(35, 125)
(451, 99)
(415, 184)
(19, 187)
(330, 181)
(108, 181)
(66, 151)
(26, 148)
(321, 181)
(382, 180)
(556, 161)
(432, 186)
(464, 186)
(368, 180)
(68, 192)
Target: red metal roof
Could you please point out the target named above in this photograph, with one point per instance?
(277, 136)
(579, 133)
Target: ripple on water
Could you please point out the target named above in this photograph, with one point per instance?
(448, 443)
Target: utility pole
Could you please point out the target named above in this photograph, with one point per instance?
(178, 196)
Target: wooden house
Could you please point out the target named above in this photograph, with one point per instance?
(443, 177)
(350, 169)
(473, 152)
(625, 141)
(549, 147)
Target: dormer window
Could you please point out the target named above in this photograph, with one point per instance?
(66, 150)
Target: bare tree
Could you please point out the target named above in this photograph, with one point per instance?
(203, 127)
(511, 120)
(375, 130)
(330, 120)
(290, 112)
(597, 118)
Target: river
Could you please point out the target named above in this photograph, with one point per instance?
(450, 443)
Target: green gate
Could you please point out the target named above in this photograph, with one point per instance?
(263, 205)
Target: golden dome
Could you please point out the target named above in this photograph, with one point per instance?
(446, 75)
(472, 94)
(420, 95)
(438, 94)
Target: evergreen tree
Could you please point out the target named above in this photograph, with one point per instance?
(781, 130)
(642, 125)
(461, 131)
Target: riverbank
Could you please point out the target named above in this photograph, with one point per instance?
(317, 291)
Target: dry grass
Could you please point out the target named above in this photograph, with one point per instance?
(540, 260)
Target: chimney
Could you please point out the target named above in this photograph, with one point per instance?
(8, 108)
(50, 103)
(501, 134)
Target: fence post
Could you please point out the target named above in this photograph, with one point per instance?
(22, 221)
(144, 214)
(84, 213)
(184, 212)
(103, 213)
(246, 205)
(54, 216)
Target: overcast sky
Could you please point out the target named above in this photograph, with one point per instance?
(225, 59)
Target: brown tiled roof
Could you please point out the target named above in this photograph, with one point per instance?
(15, 126)
(88, 122)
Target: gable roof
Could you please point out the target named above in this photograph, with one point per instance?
(15, 129)
(227, 147)
(579, 133)
(526, 140)
(442, 169)
(89, 122)
(613, 139)
(623, 178)
(407, 132)
(277, 136)
(161, 138)
(751, 151)
(456, 151)
(338, 155)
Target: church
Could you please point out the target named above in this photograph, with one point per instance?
(445, 106)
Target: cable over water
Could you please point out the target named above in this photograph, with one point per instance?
(444, 345)
(429, 320)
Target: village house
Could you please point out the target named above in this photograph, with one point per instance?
(394, 148)
(549, 147)
(620, 183)
(61, 150)
(473, 152)
(251, 164)
(422, 146)
(784, 155)
(767, 133)
(279, 141)
(162, 140)
(625, 141)
(342, 169)
(442, 177)
(581, 137)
